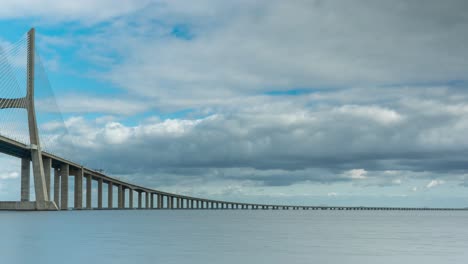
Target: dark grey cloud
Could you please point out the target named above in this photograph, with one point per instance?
(276, 143)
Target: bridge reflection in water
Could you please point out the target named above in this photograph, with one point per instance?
(45, 164)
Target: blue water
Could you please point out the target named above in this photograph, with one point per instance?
(167, 237)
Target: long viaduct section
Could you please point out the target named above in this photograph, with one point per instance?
(50, 171)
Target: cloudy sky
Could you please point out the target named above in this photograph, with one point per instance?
(310, 102)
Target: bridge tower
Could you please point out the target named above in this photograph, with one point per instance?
(42, 196)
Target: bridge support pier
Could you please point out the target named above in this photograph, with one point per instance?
(147, 200)
(119, 196)
(130, 198)
(57, 186)
(139, 200)
(64, 174)
(89, 182)
(99, 201)
(110, 188)
(25, 179)
(78, 188)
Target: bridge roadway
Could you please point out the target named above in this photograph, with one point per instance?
(153, 199)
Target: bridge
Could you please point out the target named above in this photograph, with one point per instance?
(45, 164)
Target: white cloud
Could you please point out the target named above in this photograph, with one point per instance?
(92, 104)
(434, 183)
(85, 11)
(375, 113)
(7, 175)
(357, 174)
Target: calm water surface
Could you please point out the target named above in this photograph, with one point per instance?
(233, 237)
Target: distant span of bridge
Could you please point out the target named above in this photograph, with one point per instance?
(44, 164)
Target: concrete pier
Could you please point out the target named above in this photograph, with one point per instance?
(147, 205)
(78, 201)
(89, 182)
(64, 174)
(139, 200)
(25, 179)
(47, 162)
(99, 202)
(110, 190)
(130, 198)
(57, 186)
(160, 201)
(120, 196)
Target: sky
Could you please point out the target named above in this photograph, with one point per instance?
(292, 102)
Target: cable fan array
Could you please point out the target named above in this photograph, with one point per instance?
(13, 85)
(13, 117)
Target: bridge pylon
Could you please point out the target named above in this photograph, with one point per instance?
(42, 196)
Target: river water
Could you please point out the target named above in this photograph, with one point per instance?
(152, 236)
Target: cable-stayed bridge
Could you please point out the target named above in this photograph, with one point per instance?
(22, 81)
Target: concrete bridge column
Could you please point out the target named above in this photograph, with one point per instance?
(47, 163)
(57, 186)
(198, 204)
(99, 195)
(147, 200)
(151, 201)
(140, 200)
(119, 196)
(160, 201)
(109, 195)
(171, 202)
(192, 204)
(64, 174)
(25, 179)
(89, 181)
(124, 198)
(78, 188)
(130, 198)
(178, 203)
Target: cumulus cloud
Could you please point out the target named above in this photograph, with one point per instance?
(356, 174)
(434, 183)
(6, 175)
(283, 141)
